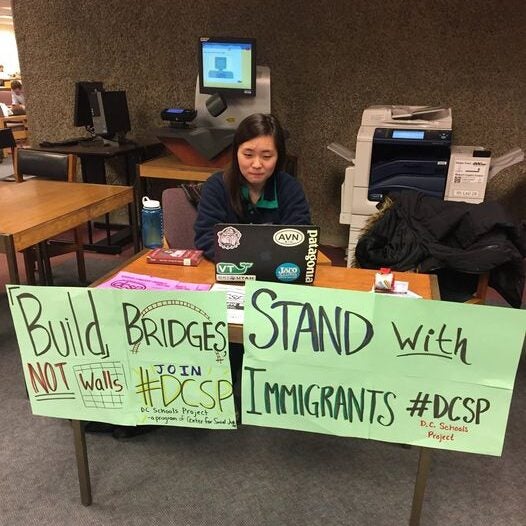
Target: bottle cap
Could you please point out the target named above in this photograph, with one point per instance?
(150, 203)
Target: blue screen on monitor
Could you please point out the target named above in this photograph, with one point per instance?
(227, 65)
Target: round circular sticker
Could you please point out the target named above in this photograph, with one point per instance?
(287, 272)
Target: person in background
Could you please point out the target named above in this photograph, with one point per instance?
(17, 98)
(3, 75)
(254, 188)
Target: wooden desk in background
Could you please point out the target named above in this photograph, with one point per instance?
(6, 83)
(169, 167)
(36, 210)
(17, 123)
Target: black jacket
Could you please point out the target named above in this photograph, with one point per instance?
(425, 233)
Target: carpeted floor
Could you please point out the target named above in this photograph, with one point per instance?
(249, 477)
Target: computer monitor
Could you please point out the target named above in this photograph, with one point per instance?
(227, 66)
(109, 112)
(82, 113)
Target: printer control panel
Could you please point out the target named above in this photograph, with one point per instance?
(406, 135)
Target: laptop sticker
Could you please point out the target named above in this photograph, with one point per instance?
(228, 238)
(289, 237)
(288, 272)
(234, 272)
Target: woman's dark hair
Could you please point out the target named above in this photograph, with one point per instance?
(255, 125)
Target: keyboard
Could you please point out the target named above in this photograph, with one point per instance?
(65, 142)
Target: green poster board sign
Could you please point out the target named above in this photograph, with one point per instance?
(125, 357)
(357, 364)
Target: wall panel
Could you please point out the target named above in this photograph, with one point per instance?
(328, 60)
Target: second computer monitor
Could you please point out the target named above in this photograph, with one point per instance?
(82, 112)
(109, 110)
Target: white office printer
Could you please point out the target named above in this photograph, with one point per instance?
(398, 147)
(409, 147)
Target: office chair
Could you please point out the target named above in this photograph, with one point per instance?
(56, 167)
(178, 218)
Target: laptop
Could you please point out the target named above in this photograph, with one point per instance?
(281, 253)
(4, 110)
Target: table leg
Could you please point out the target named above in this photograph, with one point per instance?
(139, 191)
(7, 246)
(90, 233)
(108, 228)
(132, 161)
(30, 259)
(133, 180)
(82, 461)
(94, 171)
(424, 464)
(46, 275)
(132, 210)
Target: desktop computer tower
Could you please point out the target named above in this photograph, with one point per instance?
(109, 110)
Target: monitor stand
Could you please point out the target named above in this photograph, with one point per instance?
(237, 107)
(119, 139)
(206, 141)
(197, 146)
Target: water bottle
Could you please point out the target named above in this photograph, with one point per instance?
(152, 223)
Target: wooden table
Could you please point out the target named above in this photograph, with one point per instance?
(169, 167)
(425, 285)
(36, 210)
(18, 125)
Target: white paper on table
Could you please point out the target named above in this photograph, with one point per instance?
(400, 290)
(235, 300)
